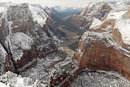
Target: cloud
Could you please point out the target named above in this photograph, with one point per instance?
(51, 3)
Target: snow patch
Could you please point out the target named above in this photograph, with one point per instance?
(19, 41)
(89, 35)
(124, 28)
(116, 14)
(96, 22)
(100, 79)
(38, 15)
(3, 85)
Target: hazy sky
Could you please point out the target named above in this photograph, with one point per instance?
(51, 3)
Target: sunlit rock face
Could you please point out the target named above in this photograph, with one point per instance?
(106, 45)
(27, 33)
(92, 11)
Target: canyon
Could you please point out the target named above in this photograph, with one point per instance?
(32, 48)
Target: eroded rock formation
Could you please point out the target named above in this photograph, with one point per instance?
(27, 33)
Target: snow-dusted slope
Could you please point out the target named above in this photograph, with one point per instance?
(38, 14)
(123, 25)
(19, 40)
(12, 80)
(96, 22)
(100, 79)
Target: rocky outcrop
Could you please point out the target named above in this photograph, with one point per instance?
(27, 33)
(106, 45)
(85, 19)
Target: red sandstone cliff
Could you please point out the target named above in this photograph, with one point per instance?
(105, 46)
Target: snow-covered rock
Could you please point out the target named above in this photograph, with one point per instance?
(38, 14)
(12, 80)
(19, 40)
(100, 79)
(96, 22)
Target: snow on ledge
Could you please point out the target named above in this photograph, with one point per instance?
(38, 15)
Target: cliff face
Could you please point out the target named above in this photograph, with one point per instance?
(26, 33)
(85, 19)
(105, 46)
